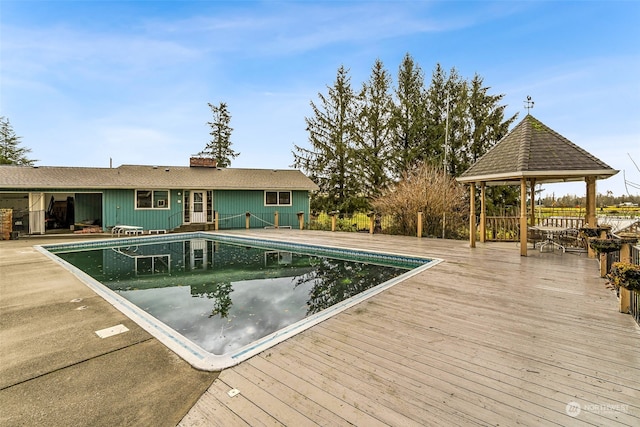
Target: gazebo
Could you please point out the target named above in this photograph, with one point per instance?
(532, 153)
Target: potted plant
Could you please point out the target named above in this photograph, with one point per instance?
(625, 277)
(591, 231)
(604, 246)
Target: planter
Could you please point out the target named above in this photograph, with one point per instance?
(590, 233)
(625, 277)
(595, 231)
(604, 246)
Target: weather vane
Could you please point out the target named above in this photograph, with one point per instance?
(528, 104)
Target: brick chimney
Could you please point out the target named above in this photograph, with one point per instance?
(202, 162)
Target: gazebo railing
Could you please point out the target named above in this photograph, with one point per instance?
(506, 228)
(502, 229)
(573, 222)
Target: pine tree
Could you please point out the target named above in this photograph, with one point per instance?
(488, 126)
(362, 143)
(437, 110)
(10, 152)
(329, 161)
(475, 119)
(219, 147)
(410, 127)
(447, 110)
(459, 131)
(373, 136)
(487, 117)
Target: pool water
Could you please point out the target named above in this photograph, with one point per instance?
(226, 294)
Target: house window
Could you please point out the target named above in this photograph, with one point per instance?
(186, 204)
(209, 206)
(152, 199)
(277, 198)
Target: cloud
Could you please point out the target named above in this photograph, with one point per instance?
(287, 28)
(61, 52)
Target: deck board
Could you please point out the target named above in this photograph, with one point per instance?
(485, 338)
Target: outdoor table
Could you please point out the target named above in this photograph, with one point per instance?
(551, 234)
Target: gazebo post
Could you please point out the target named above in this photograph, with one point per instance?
(472, 215)
(483, 214)
(523, 217)
(591, 201)
(532, 222)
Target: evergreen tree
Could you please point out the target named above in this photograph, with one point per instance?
(487, 120)
(10, 152)
(362, 143)
(409, 124)
(373, 136)
(488, 126)
(219, 147)
(458, 129)
(437, 110)
(475, 119)
(330, 161)
(449, 128)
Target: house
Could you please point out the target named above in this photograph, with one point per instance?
(153, 197)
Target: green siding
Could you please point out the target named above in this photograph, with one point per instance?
(231, 203)
(119, 208)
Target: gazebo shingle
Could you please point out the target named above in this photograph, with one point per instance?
(532, 149)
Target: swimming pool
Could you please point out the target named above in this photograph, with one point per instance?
(216, 300)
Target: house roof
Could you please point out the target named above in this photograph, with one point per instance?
(533, 150)
(151, 177)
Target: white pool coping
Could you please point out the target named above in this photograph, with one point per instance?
(191, 352)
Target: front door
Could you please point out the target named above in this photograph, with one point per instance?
(198, 207)
(36, 213)
(198, 254)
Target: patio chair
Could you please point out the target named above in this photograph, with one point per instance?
(535, 236)
(573, 241)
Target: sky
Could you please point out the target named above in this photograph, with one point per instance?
(94, 83)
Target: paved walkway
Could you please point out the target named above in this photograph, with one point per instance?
(55, 370)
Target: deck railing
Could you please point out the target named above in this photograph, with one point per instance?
(611, 258)
(634, 296)
(358, 222)
(634, 306)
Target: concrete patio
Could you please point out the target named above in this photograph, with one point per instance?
(55, 370)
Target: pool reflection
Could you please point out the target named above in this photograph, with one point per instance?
(223, 296)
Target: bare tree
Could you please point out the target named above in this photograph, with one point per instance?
(427, 189)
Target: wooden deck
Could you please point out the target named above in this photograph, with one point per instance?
(485, 338)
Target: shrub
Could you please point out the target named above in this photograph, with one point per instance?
(429, 190)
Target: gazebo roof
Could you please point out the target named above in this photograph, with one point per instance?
(532, 150)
